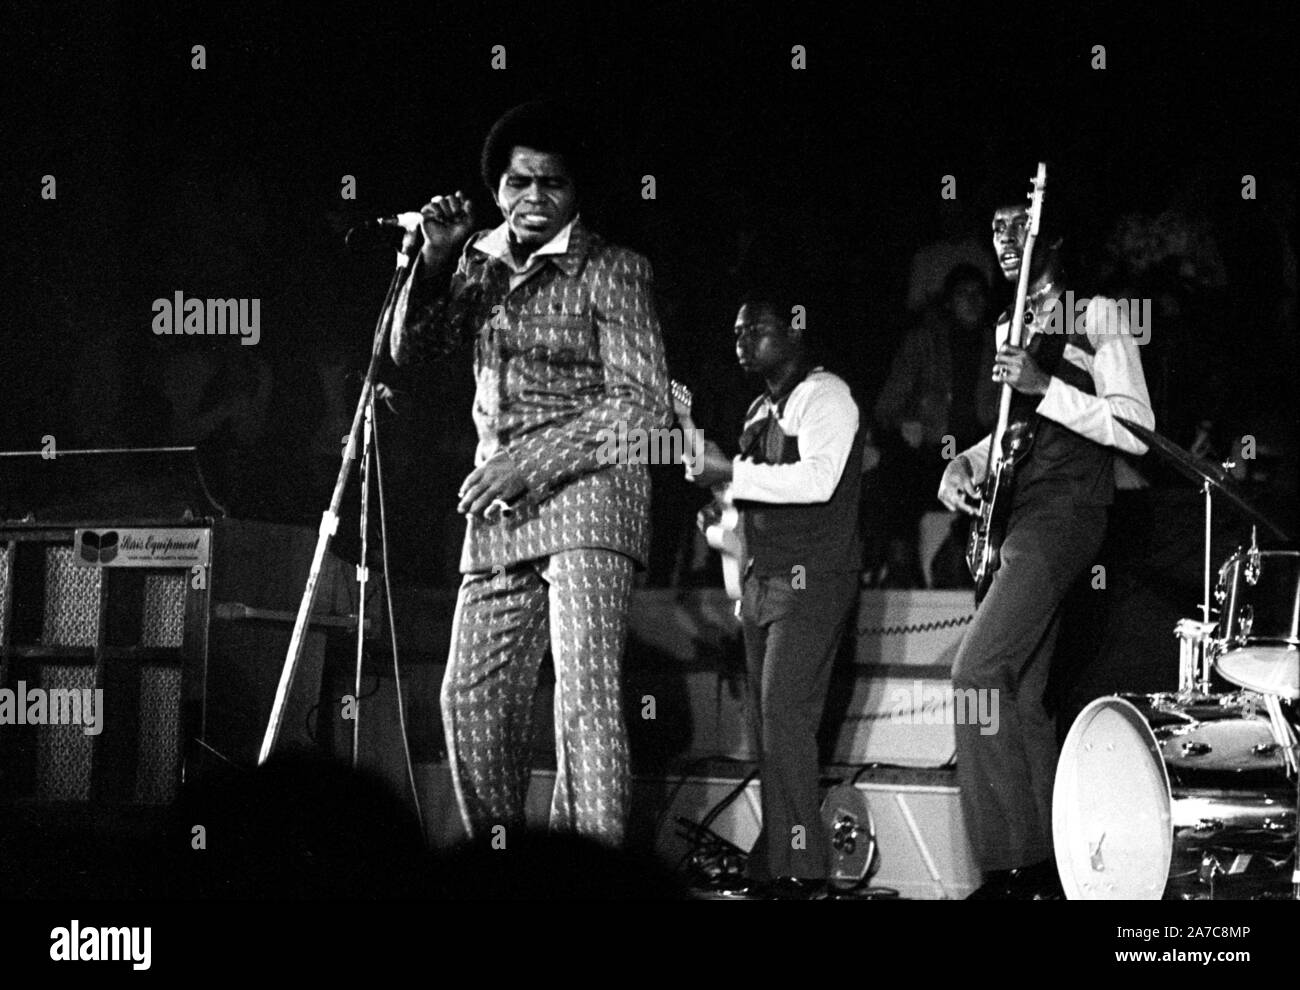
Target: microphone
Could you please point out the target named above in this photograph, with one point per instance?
(409, 222)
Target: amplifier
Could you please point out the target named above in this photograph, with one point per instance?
(129, 650)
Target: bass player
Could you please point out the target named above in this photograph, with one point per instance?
(1068, 383)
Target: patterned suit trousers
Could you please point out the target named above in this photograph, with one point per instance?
(575, 602)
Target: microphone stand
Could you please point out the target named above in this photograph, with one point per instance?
(362, 428)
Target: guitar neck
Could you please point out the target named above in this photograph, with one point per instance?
(1017, 334)
(1015, 339)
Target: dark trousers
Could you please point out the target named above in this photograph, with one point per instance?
(1006, 776)
(792, 628)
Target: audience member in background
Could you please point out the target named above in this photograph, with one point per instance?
(218, 397)
(961, 244)
(937, 401)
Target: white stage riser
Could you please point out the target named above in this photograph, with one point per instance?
(935, 810)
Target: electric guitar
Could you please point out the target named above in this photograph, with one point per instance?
(1010, 441)
(726, 534)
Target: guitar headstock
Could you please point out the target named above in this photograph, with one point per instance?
(682, 399)
(1036, 198)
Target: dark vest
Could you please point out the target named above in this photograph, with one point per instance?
(1062, 464)
(819, 537)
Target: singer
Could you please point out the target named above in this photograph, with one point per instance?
(566, 347)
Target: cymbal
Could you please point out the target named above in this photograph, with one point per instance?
(1199, 470)
(1262, 667)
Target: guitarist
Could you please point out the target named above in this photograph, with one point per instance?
(1067, 387)
(796, 481)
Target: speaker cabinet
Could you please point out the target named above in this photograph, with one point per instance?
(113, 678)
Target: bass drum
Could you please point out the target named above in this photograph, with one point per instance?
(1161, 798)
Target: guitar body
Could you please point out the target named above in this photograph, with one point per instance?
(727, 536)
(985, 539)
(983, 546)
(725, 533)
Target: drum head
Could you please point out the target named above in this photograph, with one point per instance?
(1111, 807)
(1268, 669)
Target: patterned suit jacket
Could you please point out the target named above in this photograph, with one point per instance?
(564, 357)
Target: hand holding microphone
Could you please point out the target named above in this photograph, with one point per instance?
(445, 222)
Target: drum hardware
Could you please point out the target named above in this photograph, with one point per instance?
(1213, 869)
(1245, 619)
(1208, 494)
(1252, 559)
(1202, 472)
(1259, 647)
(1158, 795)
(1195, 657)
(1211, 478)
(1218, 783)
(853, 835)
(1094, 856)
(1282, 732)
(1210, 871)
(845, 835)
(1257, 644)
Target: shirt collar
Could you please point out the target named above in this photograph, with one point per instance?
(773, 401)
(496, 244)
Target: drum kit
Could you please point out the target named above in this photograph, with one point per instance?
(1192, 795)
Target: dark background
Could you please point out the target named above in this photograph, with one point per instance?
(226, 182)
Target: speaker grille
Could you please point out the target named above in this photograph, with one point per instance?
(72, 600)
(64, 752)
(6, 589)
(163, 624)
(157, 772)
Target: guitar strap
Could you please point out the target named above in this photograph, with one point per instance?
(763, 442)
(1047, 350)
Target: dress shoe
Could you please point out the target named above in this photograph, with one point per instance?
(1037, 882)
(996, 887)
(796, 889)
(739, 889)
